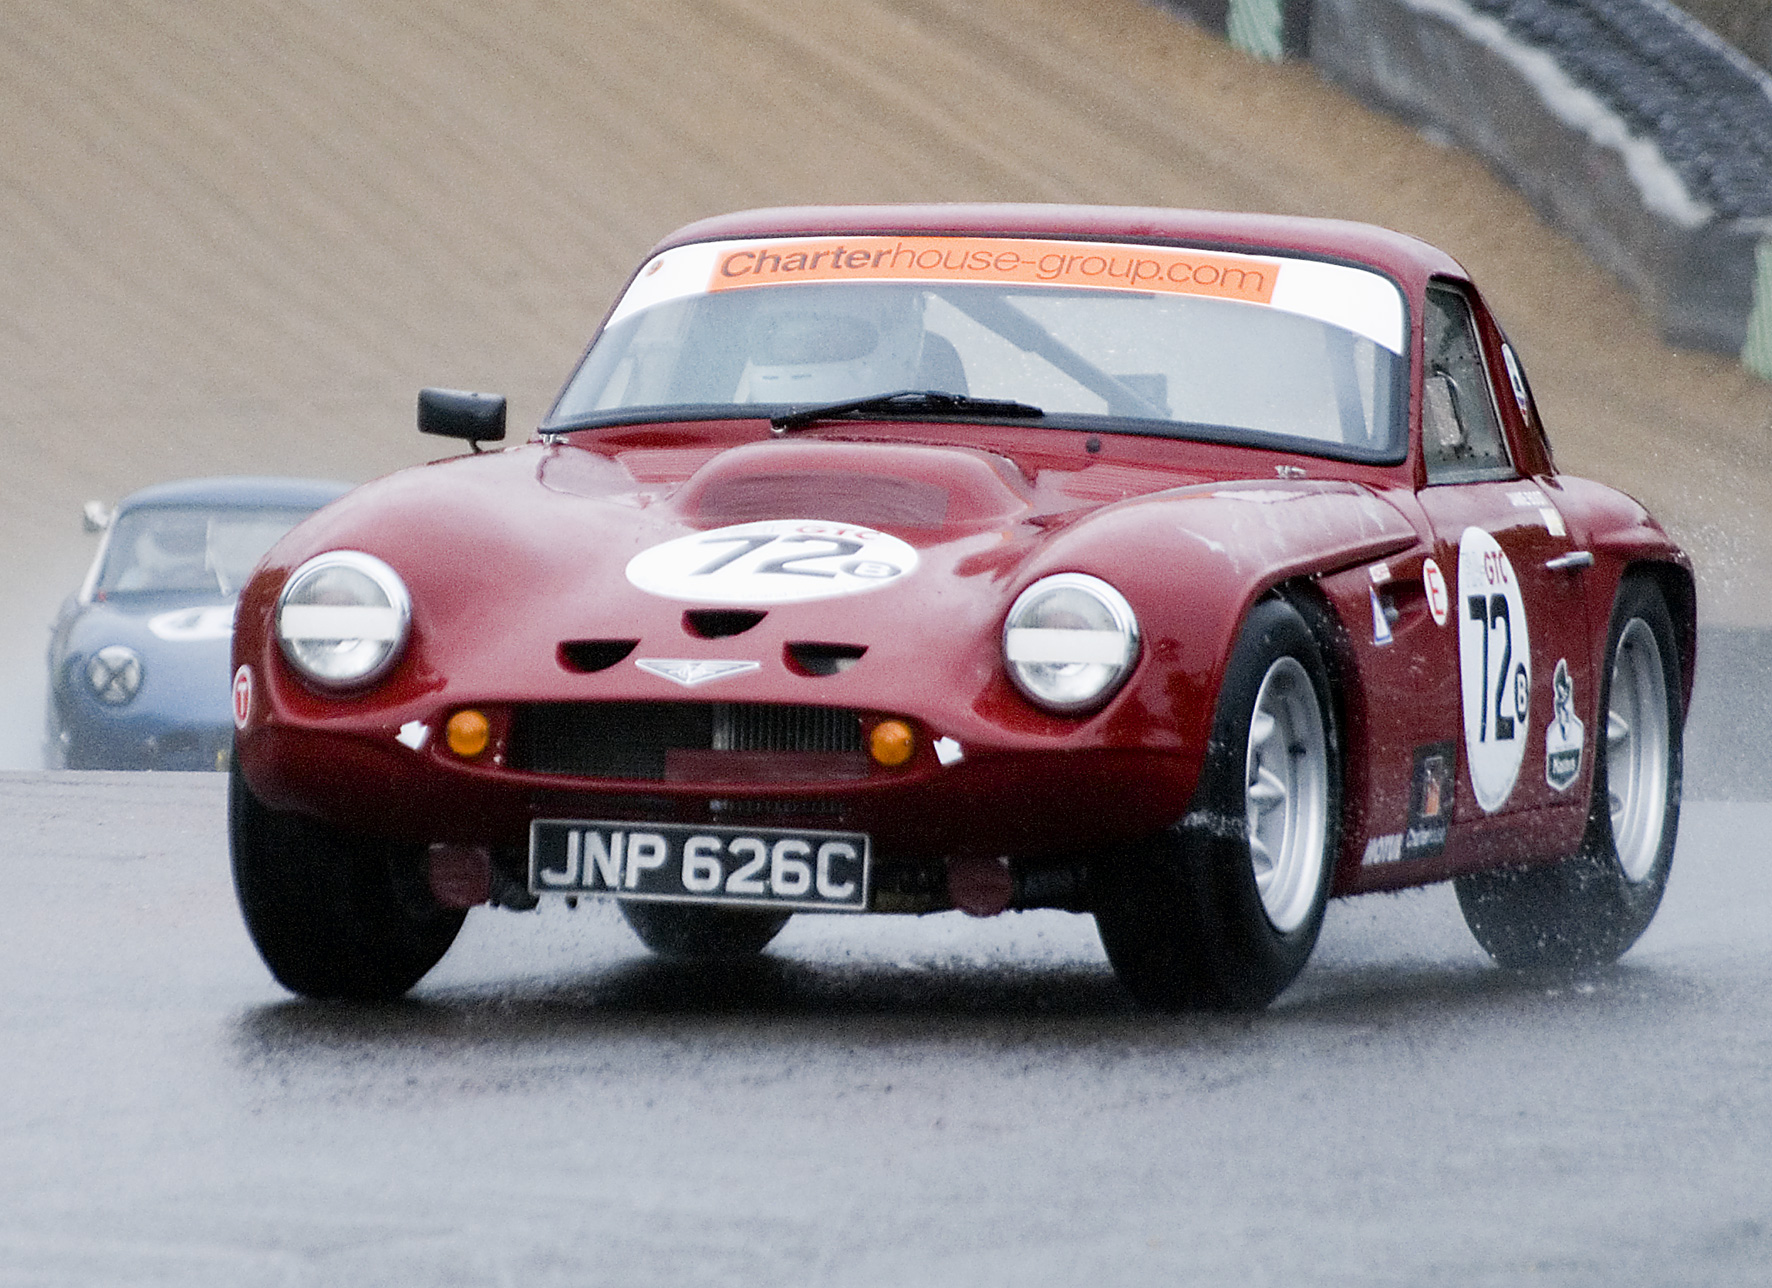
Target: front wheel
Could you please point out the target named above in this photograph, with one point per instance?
(1591, 907)
(334, 914)
(695, 931)
(1222, 910)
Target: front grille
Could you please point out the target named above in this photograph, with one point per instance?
(632, 740)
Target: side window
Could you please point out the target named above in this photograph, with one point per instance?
(1461, 437)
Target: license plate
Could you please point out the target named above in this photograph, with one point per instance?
(670, 862)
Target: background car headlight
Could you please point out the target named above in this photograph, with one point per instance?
(342, 618)
(114, 674)
(1070, 640)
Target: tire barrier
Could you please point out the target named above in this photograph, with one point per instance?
(1624, 122)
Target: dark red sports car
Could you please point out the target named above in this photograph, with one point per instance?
(1184, 569)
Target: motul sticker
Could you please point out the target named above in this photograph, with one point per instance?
(776, 561)
(1495, 667)
(1563, 736)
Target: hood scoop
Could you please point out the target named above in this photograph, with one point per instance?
(871, 500)
(889, 486)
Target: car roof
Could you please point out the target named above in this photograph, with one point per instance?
(245, 491)
(1407, 258)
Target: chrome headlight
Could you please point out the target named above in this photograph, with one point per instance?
(1070, 640)
(342, 618)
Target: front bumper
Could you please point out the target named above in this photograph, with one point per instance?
(992, 801)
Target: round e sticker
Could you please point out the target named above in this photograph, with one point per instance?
(1495, 667)
(242, 696)
(775, 561)
(1433, 581)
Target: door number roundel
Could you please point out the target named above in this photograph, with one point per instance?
(1495, 667)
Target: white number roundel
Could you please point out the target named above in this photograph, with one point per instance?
(776, 561)
(1495, 666)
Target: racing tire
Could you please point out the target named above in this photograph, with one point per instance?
(1589, 908)
(1221, 910)
(334, 914)
(692, 932)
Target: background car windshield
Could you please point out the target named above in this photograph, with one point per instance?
(1174, 364)
(202, 551)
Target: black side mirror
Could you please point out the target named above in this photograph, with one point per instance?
(455, 413)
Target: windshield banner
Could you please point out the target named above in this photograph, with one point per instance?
(995, 260)
(1357, 299)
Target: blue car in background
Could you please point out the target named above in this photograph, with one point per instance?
(138, 659)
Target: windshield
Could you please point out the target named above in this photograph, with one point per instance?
(200, 550)
(1125, 338)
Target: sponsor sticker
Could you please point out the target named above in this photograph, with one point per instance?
(1433, 582)
(1383, 849)
(995, 259)
(1431, 790)
(242, 697)
(1563, 736)
(1494, 663)
(1354, 299)
(775, 561)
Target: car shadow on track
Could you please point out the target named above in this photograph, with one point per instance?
(792, 1003)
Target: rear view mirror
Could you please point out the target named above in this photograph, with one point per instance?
(94, 517)
(455, 413)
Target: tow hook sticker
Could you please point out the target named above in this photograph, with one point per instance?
(1432, 788)
(1563, 736)
(1494, 663)
(775, 561)
(1433, 582)
(242, 697)
(1381, 624)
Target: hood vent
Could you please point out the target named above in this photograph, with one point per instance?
(807, 658)
(594, 655)
(718, 623)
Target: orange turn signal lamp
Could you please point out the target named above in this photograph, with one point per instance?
(892, 743)
(468, 733)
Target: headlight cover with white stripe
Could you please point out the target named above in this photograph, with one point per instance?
(342, 619)
(1070, 640)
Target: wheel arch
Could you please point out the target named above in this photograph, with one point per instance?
(1678, 588)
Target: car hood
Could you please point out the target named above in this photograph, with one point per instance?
(515, 558)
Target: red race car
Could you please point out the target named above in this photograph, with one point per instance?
(1184, 569)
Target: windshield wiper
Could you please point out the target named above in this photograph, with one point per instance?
(928, 401)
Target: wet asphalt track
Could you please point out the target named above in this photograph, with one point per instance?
(883, 1102)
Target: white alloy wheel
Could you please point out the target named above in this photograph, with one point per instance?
(1637, 737)
(1287, 794)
